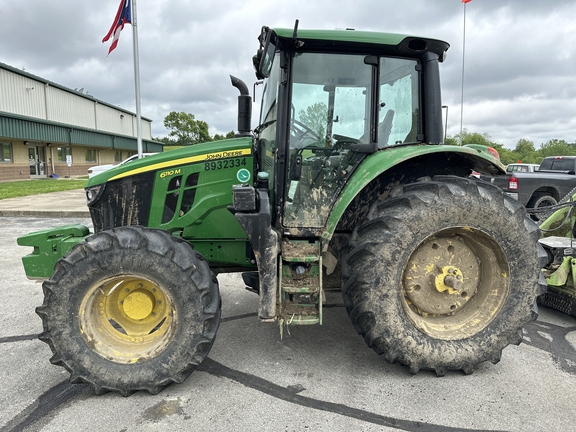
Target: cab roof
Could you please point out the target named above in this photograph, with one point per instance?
(366, 40)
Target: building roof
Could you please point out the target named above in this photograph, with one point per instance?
(75, 92)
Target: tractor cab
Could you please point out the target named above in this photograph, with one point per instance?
(332, 98)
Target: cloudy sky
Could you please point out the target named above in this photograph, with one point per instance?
(520, 59)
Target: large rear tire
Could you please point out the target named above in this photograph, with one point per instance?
(130, 309)
(443, 274)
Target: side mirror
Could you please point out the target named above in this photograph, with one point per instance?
(264, 58)
(256, 60)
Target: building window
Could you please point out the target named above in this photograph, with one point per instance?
(5, 152)
(63, 152)
(118, 156)
(90, 155)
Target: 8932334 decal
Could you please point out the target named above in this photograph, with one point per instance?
(224, 163)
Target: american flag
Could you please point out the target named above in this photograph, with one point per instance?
(123, 16)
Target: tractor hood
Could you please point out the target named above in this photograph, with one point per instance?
(171, 190)
(173, 158)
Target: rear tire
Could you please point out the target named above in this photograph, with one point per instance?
(130, 309)
(443, 274)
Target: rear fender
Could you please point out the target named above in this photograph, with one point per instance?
(49, 246)
(454, 160)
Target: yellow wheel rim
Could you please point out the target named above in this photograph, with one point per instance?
(127, 319)
(455, 283)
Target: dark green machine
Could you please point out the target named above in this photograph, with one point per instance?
(558, 226)
(344, 184)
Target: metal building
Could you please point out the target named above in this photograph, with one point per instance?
(50, 130)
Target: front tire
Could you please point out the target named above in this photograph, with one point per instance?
(443, 275)
(130, 309)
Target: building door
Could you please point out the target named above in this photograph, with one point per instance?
(37, 161)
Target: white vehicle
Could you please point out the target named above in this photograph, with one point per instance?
(522, 167)
(92, 171)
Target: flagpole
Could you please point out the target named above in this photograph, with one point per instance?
(136, 78)
(462, 91)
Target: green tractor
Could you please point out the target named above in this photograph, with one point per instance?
(558, 226)
(345, 184)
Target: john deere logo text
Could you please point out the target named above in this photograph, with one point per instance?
(222, 155)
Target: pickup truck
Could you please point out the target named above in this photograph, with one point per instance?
(545, 187)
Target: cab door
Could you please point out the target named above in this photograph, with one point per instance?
(330, 112)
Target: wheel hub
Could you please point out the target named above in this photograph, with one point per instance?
(138, 305)
(434, 282)
(454, 283)
(450, 279)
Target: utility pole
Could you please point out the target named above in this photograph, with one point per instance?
(463, 53)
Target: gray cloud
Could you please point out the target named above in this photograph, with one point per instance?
(519, 70)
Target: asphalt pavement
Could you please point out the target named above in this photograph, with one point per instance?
(315, 378)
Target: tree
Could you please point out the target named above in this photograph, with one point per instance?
(556, 147)
(218, 137)
(164, 140)
(506, 155)
(185, 129)
(525, 152)
(524, 147)
(315, 117)
(471, 138)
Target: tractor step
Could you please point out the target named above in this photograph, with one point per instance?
(301, 292)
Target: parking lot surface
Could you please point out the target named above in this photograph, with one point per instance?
(316, 378)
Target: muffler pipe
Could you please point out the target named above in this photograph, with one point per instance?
(244, 108)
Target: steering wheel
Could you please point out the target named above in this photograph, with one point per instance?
(339, 145)
(301, 131)
(342, 146)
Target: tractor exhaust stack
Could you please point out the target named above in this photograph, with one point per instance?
(244, 107)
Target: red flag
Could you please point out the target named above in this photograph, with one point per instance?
(466, 1)
(123, 16)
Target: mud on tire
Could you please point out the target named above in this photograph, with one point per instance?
(443, 274)
(130, 309)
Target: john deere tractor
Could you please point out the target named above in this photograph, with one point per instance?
(345, 184)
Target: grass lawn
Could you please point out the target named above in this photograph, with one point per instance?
(34, 187)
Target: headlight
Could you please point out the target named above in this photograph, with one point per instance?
(93, 193)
